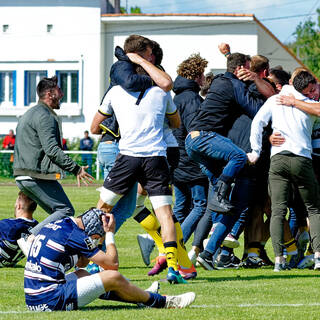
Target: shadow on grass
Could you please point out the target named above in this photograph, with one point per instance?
(111, 307)
(257, 277)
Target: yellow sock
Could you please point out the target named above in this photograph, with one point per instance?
(171, 254)
(291, 247)
(150, 223)
(182, 253)
(253, 252)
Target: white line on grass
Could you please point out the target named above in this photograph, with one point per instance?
(247, 305)
(254, 305)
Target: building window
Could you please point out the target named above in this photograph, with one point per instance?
(69, 84)
(8, 88)
(31, 80)
(49, 28)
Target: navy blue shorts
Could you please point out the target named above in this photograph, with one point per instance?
(64, 298)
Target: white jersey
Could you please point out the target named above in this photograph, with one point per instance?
(140, 119)
(293, 124)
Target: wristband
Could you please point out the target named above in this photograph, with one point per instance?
(227, 54)
(109, 238)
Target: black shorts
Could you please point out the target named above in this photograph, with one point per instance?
(151, 172)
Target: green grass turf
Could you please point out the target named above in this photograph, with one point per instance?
(226, 294)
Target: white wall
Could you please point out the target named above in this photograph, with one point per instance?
(180, 39)
(270, 47)
(73, 42)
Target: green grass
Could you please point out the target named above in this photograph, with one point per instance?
(226, 294)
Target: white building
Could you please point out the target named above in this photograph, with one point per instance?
(76, 42)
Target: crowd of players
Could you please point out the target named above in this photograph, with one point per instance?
(212, 144)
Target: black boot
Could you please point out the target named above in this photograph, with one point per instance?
(220, 200)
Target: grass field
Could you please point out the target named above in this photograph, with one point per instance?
(226, 294)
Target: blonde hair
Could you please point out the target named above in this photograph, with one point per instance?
(295, 72)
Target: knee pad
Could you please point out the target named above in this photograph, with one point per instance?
(109, 197)
(160, 201)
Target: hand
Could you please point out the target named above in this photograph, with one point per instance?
(276, 139)
(135, 58)
(286, 100)
(109, 222)
(245, 74)
(224, 48)
(84, 176)
(252, 157)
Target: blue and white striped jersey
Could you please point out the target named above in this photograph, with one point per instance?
(10, 231)
(54, 251)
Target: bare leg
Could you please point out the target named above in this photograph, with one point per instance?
(168, 231)
(114, 281)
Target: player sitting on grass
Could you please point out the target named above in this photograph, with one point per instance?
(13, 229)
(73, 241)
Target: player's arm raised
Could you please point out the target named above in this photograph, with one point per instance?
(108, 260)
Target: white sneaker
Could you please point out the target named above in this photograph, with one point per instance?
(316, 263)
(306, 262)
(154, 288)
(230, 242)
(192, 256)
(146, 245)
(181, 301)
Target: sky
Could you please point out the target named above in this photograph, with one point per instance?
(281, 17)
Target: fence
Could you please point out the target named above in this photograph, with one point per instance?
(81, 157)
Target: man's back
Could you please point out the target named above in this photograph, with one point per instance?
(293, 124)
(216, 112)
(140, 118)
(10, 231)
(54, 251)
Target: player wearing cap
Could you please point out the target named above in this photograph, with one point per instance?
(73, 241)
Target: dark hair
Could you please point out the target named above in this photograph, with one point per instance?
(137, 44)
(46, 84)
(207, 83)
(236, 60)
(302, 80)
(28, 204)
(282, 77)
(259, 63)
(157, 52)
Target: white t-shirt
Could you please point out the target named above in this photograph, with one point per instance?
(141, 125)
(293, 124)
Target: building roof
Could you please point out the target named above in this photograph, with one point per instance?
(249, 16)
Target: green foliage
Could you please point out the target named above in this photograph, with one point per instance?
(135, 9)
(307, 44)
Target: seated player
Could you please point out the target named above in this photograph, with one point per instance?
(13, 229)
(73, 241)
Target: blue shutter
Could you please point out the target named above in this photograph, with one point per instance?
(14, 80)
(58, 76)
(26, 98)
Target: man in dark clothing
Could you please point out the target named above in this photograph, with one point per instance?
(86, 144)
(190, 184)
(206, 143)
(38, 157)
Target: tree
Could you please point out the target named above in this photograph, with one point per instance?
(135, 9)
(307, 44)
